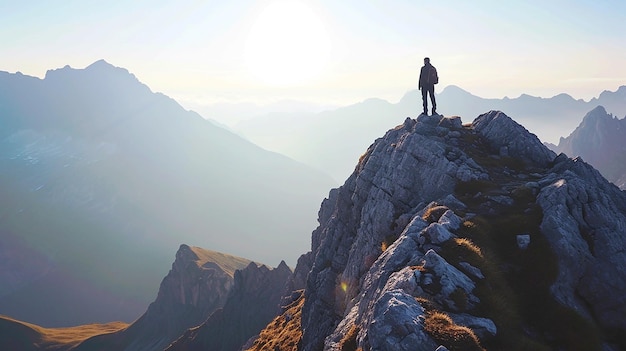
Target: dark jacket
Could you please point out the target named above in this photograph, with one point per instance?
(428, 76)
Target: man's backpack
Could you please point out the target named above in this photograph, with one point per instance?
(433, 75)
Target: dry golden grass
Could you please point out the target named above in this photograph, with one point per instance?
(420, 268)
(34, 337)
(74, 335)
(434, 213)
(427, 304)
(227, 263)
(469, 224)
(455, 337)
(348, 343)
(469, 246)
(515, 293)
(464, 250)
(388, 241)
(284, 333)
(383, 246)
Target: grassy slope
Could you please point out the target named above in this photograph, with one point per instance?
(228, 263)
(16, 335)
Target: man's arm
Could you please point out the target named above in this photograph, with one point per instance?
(419, 82)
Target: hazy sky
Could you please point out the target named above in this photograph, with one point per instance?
(332, 52)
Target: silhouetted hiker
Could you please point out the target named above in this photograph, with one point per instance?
(428, 79)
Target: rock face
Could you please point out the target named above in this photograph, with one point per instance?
(510, 138)
(585, 222)
(252, 304)
(600, 139)
(419, 248)
(198, 284)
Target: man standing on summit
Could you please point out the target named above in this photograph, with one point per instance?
(428, 79)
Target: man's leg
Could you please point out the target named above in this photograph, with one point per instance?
(431, 92)
(425, 100)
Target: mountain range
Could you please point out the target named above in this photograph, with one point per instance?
(204, 287)
(447, 236)
(600, 139)
(347, 131)
(100, 178)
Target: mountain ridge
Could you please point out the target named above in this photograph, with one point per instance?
(599, 139)
(94, 165)
(447, 236)
(231, 296)
(466, 237)
(351, 128)
(197, 285)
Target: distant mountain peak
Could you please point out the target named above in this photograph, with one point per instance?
(620, 92)
(99, 63)
(454, 89)
(54, 72)
(597, 114)
(100, 69)
(105, 67)
(204, 258)
(599, 139)
(598, 109)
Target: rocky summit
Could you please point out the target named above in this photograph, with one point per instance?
(452, 236)
(253, 302)
(198, 284)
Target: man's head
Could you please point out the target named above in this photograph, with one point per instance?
(426, 60)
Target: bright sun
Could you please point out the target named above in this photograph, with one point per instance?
(288, 45)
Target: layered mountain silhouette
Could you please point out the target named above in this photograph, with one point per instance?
(447, 236)
(231, 297)
(348, 131)
(600, 139)
(100, 178)
(253, 303)
(206, 293)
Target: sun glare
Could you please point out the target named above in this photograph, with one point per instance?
(287, 45)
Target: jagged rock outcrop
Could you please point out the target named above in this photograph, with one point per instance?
(252, 304)
(397, 175)
(585, 222)
(285, 331)
(198, 284)
(510, 138)
(419, 248)
(600, 139)
(297, 280)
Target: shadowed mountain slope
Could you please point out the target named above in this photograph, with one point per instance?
(100, 178)
(600, 139)
(252, 304)
(198, 284)
(208, 299)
